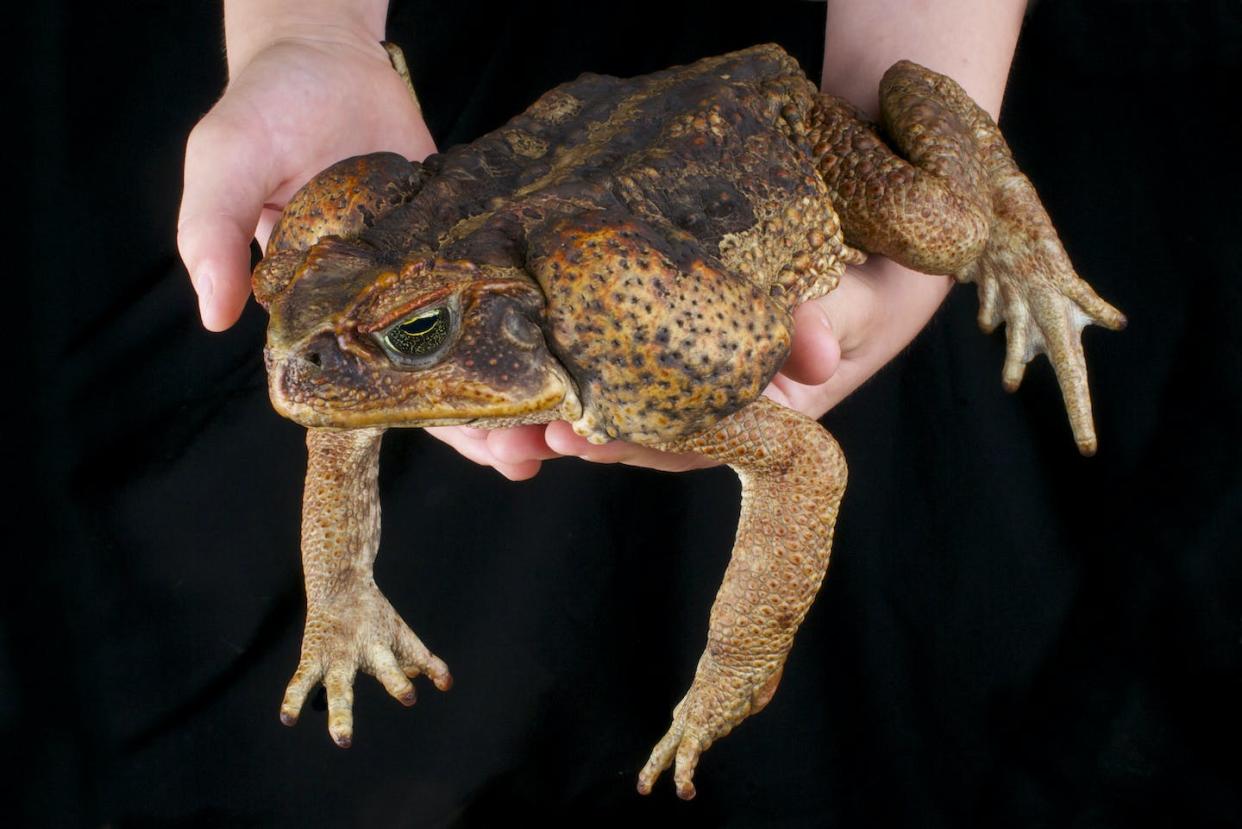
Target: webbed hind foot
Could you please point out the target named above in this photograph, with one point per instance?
(947, 198)
(1025, 279)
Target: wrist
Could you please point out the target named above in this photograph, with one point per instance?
(252, 25)
(971, 41)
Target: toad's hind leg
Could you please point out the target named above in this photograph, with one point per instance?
(793, 476)
(957, 204)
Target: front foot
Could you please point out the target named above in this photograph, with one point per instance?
(718, 699)
(355, 627)
(1025, 279)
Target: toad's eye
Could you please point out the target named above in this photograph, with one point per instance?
(419, 335)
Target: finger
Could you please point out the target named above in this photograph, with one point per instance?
(519, 445)
(340, 684)
(383, 666)
(217, 255)
(779, 390)
(267, 223)
(518, 471)
(561, 437)
(227, 179)
(476, 449)
(813, 401)
(471, 446)
(879, 307)
(304, 681)
(815, 352)
(853, 306)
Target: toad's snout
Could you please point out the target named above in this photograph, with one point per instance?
(305, 377)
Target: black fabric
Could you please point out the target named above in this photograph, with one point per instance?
(1010, 635)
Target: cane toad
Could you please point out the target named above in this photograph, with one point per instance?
(625, 255)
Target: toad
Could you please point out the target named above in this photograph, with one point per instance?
(626, 255)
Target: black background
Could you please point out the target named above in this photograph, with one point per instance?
(1010, 635)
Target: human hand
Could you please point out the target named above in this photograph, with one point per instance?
(302, 95)
(839, 342)
(879, 307)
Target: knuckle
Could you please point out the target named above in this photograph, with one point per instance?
(211, 133)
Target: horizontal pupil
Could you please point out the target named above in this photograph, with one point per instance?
(420, 336)
(420, 326)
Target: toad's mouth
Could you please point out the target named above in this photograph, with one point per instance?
(304, 392)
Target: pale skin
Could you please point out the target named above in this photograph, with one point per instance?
(310, 84)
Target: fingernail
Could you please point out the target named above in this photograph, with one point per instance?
(204, 286)
(823, 315)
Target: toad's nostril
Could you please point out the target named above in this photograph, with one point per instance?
(312, 357)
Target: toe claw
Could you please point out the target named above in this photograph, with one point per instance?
(1012, 373)
(383, 666)
(340, 684)
(356, 629)
(439, 674)
(304, 679)
(341, 728)
(719, 698)
(1100, 312)
(680, 751)
(416, 659)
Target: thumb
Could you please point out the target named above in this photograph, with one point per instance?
(815, 352)
(227, 180)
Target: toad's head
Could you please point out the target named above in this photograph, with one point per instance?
(358, 339)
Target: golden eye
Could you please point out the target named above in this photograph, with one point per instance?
(420, 334)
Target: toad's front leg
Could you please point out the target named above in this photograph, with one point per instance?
(349, 623)
(793, 476)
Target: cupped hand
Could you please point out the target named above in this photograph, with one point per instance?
(839, 342)
(303, 100)
(294, 105)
